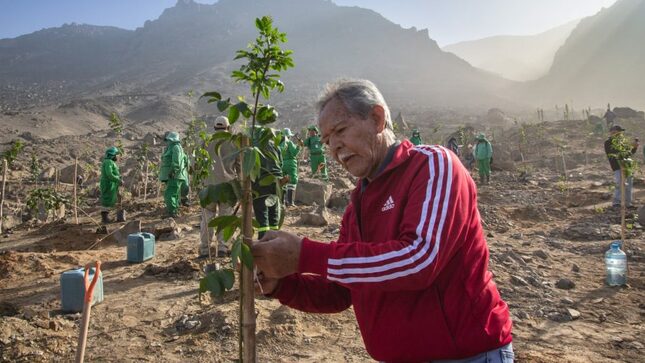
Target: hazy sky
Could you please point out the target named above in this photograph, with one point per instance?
(449, 21)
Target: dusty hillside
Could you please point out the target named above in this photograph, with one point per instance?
(541, 228)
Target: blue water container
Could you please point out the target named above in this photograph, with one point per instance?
(141, 247)
(616, 265)
(72, 289)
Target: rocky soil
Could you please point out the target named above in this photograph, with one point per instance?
(547, 236)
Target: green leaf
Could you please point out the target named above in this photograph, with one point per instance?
(227, 278)
(228, 232)
(222, 105)
(221, 222)
(246, 256)
(267, 180)
(204, 199)
(233, 115)
(249, 161)
(202, 285)
(236, 252)
(213, 284)
(244, 109)
(214, 96)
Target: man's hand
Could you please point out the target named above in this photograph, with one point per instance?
(277, 254)
(268, 286)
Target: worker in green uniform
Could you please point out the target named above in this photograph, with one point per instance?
(110, 182)
(416, 137)
(483, 152)
(316, 153)
(290, 151)
(173, 172)
(266, 200)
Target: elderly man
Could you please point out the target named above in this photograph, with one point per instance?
(411, 257)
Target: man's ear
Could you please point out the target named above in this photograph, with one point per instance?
(378, 115)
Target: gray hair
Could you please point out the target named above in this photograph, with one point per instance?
(359, 97)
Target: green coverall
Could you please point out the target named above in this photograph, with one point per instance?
(416, 138)
(266, 200)
(290, 153)
(316, 156)
(483, 152)
(110, 180)
(173, 172)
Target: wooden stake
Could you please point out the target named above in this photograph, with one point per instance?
(623, 227)
(4, 180)
(75, 186)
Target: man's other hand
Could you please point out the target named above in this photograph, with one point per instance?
(277, 254)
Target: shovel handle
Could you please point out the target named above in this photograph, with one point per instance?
(89, 287)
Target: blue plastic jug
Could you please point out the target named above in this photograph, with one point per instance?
(72, 289)
(141, 247)
(616, 265)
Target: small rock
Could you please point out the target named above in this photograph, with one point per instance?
(566, 301)
(541, 254)
(53, 325)
(518, 281)
(573, 313)
(575, 268)
(565, 284)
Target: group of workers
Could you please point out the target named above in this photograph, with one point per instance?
(174, 168)
(482, 153)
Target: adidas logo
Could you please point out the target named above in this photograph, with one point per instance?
(389, 204)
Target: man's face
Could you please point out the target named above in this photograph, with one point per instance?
(351, 140)
(312, 132)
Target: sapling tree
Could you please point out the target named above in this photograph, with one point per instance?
(11, 154)
(264, 60)
(34, 167)
(117, 127)
(622, 151)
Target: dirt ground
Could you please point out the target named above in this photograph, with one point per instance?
(540, 229)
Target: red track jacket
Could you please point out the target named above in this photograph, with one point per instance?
(412, 260)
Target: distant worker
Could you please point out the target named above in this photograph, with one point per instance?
(290, 152)
(483, 153)
(316, 153)
(609, 117)
(266, 203)
(416, 137)
(224, 168)
(110, 182)
(173, 172)
(616, 157)
(453, 145)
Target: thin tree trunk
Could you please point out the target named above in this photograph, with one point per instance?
(145, 183)
(56, 180)
(247, 291)
(564, 165)
(75, 185)
(4, 180)
(623, 227)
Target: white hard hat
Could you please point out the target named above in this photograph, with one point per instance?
(221, 122)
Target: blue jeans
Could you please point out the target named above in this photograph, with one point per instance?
(500, 355)
(628, 189)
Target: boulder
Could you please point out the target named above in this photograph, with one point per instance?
(313, 191)
(165, 229)
(317, 218)
(338, 200)
(48, 174)
(67, 174)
